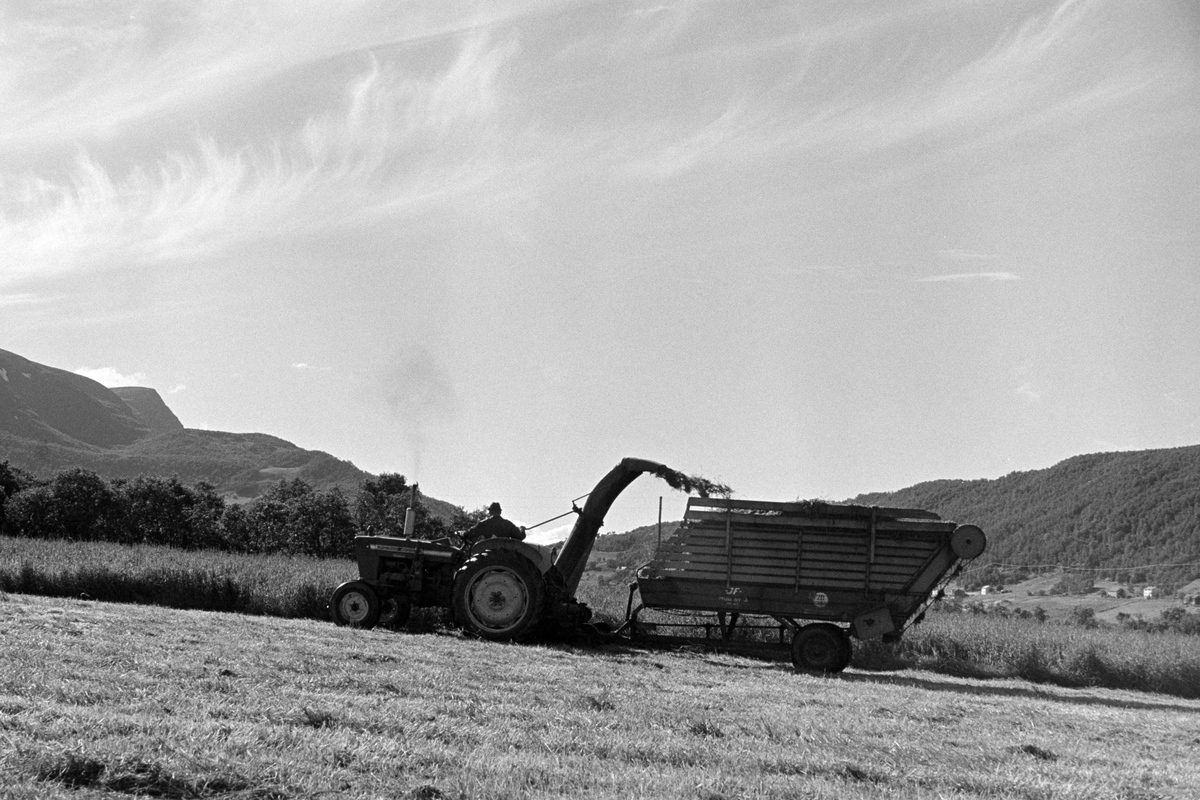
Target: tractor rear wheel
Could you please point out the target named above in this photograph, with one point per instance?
(356, 605)
(498, 595)
(821, 647)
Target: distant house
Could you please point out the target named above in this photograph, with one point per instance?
(987, 589)
(1150, 592)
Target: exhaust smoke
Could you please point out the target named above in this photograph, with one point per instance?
(420, 394)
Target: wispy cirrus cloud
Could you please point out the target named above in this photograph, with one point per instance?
(400, 141)
(825, 106)
(1026, 80)
(80, 71)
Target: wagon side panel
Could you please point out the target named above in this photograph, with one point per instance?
(785, 560)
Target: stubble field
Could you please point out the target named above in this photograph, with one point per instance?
(98, 698)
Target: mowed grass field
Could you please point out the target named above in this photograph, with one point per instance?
(100, 700)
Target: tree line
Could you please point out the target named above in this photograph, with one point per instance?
(77, 504)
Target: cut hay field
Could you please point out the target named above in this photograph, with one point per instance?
(99, 700)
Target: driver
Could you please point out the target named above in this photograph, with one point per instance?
(494, 527)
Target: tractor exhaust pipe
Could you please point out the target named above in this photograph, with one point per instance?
(410, 514)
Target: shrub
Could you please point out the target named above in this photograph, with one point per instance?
(1084, 616)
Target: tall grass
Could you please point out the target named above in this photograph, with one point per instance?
(275, 585)
(1059, 653)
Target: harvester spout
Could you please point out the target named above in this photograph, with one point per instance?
(578, 546)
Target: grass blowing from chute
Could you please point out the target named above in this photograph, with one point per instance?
(693, 484)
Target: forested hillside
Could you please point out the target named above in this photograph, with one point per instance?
(1119, 512)
(630, 549)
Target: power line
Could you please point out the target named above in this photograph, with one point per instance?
(1068, 568)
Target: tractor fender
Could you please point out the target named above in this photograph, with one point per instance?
(538, 555)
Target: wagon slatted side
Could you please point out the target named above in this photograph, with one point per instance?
(801, 559)
(797, 551)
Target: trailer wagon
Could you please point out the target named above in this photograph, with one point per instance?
(823, 572)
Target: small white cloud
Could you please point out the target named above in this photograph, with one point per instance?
(969, 277)
(24, 299)
(300, 366)
(111, 378)
(967, 255)
(1181, 401)
(646, 12)
(1027, 391)
(806, 269)
(177, 388)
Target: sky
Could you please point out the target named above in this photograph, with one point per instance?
(807, 249)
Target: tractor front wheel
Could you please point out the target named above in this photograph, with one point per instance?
(356, 605)
(394, 612)
(498, 595)
(821, 647)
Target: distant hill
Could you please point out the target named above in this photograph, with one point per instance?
(630, 549)
(51, 419)
(1114, 511)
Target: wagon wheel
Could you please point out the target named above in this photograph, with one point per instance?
(394, 612)
(498, 595)
(821, 648)
(355, 604)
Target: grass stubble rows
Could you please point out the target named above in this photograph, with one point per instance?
(99, 699)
